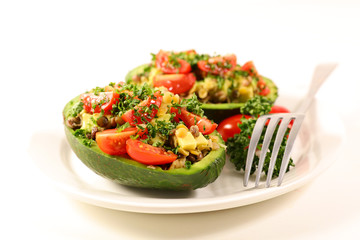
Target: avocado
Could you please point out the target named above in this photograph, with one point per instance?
(220, 111)
(215, 111)
(124, 170)
(138, 70)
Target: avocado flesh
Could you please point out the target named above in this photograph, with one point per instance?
(123, 170)
(217, 111)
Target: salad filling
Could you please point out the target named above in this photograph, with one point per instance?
(213, 79)
(153, 126)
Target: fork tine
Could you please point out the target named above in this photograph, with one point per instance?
(289, 145)
(274, 120)
(279, 137)
(255, 136)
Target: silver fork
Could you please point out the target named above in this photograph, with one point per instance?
(321, 73)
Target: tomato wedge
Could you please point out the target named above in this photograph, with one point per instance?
(147, 154)
(190, 119)
(171, 65)
(175, 83)
(218, 65)
(229, 126)
(113, 142)
(250, 68)
(96, 103)
(279, 109)
(264, 92)
(189, 52)
(145, 111)
(262, 87)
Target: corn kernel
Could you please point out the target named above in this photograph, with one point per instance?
(167, 97)
(109, 89)
(195, 152)
(163, 109)
(203, 93)
(176, 98)
(181, 132)
(183, 152)
(243, 90)
(181, 126)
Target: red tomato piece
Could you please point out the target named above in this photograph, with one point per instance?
(265, 91)
(218, 65)
(261, 85)
(190, 119)
(250, 68)
(279, 109)
(191, 51)
(147, 154)
(176, 83)
(95, 103)
(113, 142)
(160, 58)
(145, 111)
(170, 65)
(120, 84)
(229, 126)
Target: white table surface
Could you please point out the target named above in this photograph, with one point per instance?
(51, 51)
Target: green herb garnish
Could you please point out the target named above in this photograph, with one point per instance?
(237, 147)
(82, 135)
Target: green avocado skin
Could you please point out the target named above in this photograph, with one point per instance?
(125, 171)
(218, 115)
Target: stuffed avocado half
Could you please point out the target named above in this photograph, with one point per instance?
(144, 137)
(218, 81)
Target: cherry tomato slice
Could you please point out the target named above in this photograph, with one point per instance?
(176, 83)
(147, 154)
(113, 142)
(250, 68)
(145, 111)
(229, 126)
(261, 85)
(264, 92)
(190, 119)
(218, 65)
(279, 109)
(191, 51)
(96, 103)
(171, 66)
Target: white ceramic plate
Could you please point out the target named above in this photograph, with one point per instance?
(320, 138)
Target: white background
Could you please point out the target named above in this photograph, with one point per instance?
(50, 51)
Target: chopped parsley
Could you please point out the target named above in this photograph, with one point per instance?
(82, 135)
(256, 106)
(220, 81)
(187, 164)
(130, 101)
(192, 104)
(75, 109)
(124, 126)
(237, 146)
(98, 90)
(240, 73)
(161, 128)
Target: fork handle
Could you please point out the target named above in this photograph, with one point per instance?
(322, 71)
